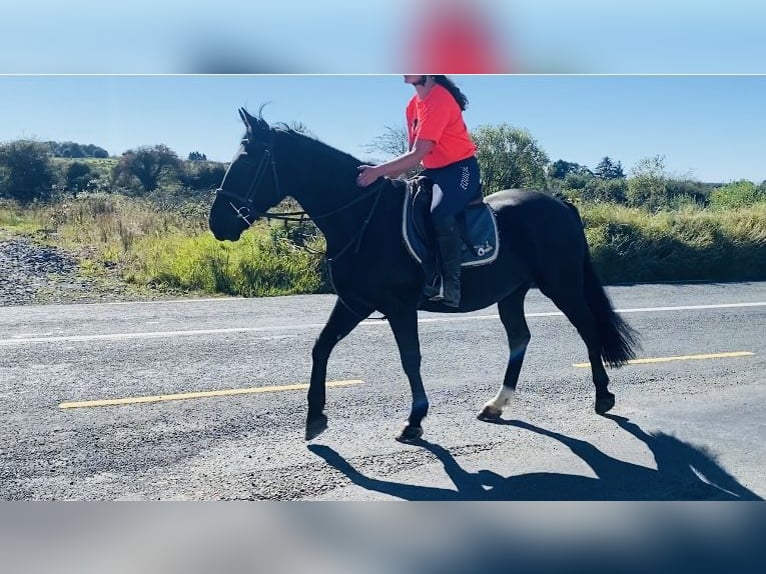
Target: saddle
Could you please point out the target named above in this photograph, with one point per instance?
(477, 224)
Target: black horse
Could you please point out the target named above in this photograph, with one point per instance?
(542, 241)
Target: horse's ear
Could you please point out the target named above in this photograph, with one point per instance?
(253, 124)
(246, 118)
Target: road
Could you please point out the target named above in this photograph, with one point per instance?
(691, 428)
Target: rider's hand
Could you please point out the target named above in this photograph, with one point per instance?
(368, 174)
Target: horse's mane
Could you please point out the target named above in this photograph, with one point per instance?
(285, 128)
(280, 126)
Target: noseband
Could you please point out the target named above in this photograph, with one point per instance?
(244, 212)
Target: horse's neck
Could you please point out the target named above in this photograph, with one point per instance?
(338, 211)
(323, 182)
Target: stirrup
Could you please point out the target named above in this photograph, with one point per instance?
(434, 291)
(439, 295)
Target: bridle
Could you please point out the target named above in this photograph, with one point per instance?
(262, 167)
(245, 211)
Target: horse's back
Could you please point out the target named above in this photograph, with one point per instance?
(523, 198)
(539, 228)
(534, 209)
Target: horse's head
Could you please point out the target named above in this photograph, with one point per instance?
(250, 186)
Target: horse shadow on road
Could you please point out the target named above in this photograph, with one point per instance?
(684, 472)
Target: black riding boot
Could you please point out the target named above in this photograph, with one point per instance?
(450, 242)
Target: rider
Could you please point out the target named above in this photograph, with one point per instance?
(439, 139)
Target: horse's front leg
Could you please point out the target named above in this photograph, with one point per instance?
(404, 325)
(341, 322)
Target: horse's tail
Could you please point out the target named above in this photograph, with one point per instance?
(618, 339)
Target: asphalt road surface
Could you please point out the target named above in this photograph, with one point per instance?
(688, 425)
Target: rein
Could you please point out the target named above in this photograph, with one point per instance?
(358, 237)
(301, 215)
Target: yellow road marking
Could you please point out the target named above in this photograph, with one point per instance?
(198, 395)
(680, 358)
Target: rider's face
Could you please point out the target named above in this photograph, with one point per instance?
(412, 78)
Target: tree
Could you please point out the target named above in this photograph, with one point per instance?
(648, 185)
(197, 156)
(148, 165)
(607, 169)
(26, 173)
(559, 169)
(393, 142)
(72, 150)
(509, 157)
(95, 151)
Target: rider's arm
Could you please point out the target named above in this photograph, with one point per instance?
(412, 158)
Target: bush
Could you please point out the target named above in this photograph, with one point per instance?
(78, 176)
(200, 175)
(26, 172)
(143, 170)
(737, 194)
(685, 192)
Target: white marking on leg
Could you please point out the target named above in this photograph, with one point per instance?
(502, 399)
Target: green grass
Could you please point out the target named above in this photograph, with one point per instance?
(259, 264)
(14, 220)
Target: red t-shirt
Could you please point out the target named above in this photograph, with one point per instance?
(457, 41)
(438, 118)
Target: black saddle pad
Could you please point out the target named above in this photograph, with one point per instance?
(478, 227)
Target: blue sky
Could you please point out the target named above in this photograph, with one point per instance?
(708, 127)
(349, 36)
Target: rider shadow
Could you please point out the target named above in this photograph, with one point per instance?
(684, 472)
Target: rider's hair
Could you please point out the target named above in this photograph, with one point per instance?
(459, 96)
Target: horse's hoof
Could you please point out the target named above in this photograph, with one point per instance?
(489, 414)
(410, 434)
(604, 404)
(316, 427)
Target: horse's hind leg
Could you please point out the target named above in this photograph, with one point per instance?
(574, 305)
(341, 322)
(404, 324)
(512, 315)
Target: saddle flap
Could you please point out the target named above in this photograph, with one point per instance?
(478, 227)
